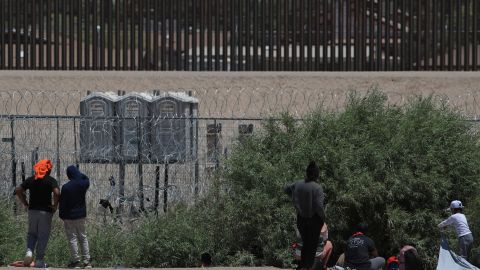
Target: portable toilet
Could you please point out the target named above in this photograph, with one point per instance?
(173, 126)
(133, 110)
(97, 127)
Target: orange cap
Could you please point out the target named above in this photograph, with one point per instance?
(42, 168)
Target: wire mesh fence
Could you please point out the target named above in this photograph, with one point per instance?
(131, 178)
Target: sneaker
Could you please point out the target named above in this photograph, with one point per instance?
(40, 264)
(74, 265)
(28, 258)
(87, 265)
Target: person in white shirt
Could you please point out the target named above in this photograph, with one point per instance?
(459, 222)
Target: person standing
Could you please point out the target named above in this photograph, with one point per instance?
(308, 199)
(40, 210)
(73, 211)
(361, 253)
(459, 221)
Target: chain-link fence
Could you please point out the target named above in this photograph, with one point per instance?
(151, 162)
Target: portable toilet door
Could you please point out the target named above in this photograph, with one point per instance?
(97, 127)
(170, 127)
(133, 109)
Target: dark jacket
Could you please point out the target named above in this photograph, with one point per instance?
(72, 198)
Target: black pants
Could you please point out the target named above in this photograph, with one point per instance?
(309, 229)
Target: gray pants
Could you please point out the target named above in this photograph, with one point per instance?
(75, 230)
(465, 245)
(377, 263)
(39, 225)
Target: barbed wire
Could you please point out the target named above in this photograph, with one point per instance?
(232, 102)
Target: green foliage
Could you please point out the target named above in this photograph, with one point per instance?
(393, 167)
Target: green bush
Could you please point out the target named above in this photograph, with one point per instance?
(393, 167)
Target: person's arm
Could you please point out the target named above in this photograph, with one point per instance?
(374, 253)
(445, 223)
(20, 192)
(56, 198)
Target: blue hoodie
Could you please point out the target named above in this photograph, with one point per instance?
(72, 197)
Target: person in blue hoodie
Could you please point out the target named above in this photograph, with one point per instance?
(73, 211)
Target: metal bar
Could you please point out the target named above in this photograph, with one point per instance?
(26, 31)
(157, 189)
(378, 65)
(357, 28)
(41, 51)
(202, 37)
(186, 34)
(88, 47)
(79, 35)
(64, 34)
(302, 36)
(403, 36)
(251, 9)
(294, 35)
(233, 29)
(125, 36)
(209, 15)
(410, 35)
(318, 41)
(278, 35)
(194, 35)
(95, 35)
(450, 35)
(217, 35)
(286, 46)
(348, 34)
(103, 26)
(309, 55)
(372, 36)
(75, 142)
(363, 43)
(13, 152)
(132, 37)
(156, 35)
(388, 64)
(333, 47)
(426, 31)
(434, 35)
(147, 62)
(33, 43)
(2, 35)
(110, 39)
(340, 35)
(140, 25)
(325, 35)
(241, 67)
(178, 36)
(271, 42)
(458, 62)
(118, 43)
(225, 31)
(10, 34)
(57, 150)
(466, 61)
(419, 37)
(17, 37)
(474, 42)
(263, 35)
(49, 35)
(140, 163)
(56, 31)
(165, 188)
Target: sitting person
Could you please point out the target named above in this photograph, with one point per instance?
(327, 246)
(361, 253)
(408, 258)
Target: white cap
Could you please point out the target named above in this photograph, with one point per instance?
(456, 204)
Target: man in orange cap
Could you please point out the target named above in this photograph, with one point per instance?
(40, 210)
